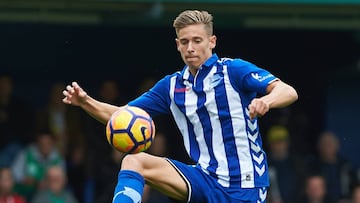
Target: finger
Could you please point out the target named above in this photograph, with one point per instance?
(251, 112)
(66, 100)
(75, 85)
(253, 115)
(66, 93)
(77, 88)
(70, 89)
(263, 109)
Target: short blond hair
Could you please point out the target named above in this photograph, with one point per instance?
(192, 17)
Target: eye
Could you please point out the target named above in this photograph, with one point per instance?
(184, 41)
(197, 40)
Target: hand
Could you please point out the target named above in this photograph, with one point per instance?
(258, 108)
(74, 94)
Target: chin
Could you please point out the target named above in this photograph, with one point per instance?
(192, 66)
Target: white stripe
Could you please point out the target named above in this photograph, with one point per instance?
(217, 139)
(241, 139)
(180, 118)
(191, 107)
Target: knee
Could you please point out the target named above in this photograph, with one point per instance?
(134, 162)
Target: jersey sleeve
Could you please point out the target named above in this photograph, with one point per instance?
(249, 77)
(155, 101)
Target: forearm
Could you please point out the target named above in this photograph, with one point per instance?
(281, 95)
(99, 110)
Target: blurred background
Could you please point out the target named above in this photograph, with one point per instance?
(313, 45)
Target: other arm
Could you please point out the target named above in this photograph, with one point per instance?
(279, 94)
(76, 96)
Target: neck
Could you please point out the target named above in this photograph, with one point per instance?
(193, 70)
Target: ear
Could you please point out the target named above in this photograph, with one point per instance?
(177, 44)
(213, 42)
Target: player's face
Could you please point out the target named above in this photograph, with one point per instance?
(195, 45)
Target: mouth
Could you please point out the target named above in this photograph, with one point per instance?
(190, 58)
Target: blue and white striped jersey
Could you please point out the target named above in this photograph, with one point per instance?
(210, 110)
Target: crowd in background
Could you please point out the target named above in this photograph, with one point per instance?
(57, 153)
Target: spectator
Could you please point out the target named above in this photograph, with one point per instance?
(64, 124)
(110, 92)
(285, 168)
(30, 165)
(337, 171)
(15, 133)
(145, 85)
(67, 126)
(55, 190)
(7, 194)
(355, 194)
(315, 190)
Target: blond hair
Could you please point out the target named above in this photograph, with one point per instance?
(192, 17)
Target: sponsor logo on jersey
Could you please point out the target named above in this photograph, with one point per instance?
(260, 78)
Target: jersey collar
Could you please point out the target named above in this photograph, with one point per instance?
(208, 63)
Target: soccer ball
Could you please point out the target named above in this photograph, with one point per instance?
(130, 130)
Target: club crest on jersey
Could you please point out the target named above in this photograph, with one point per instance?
(216, 80)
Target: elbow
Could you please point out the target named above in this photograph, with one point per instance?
(293, 95)
(290, 95)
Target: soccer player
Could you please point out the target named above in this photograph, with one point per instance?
(215, 103)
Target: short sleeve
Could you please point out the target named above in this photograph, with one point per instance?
(249, 77)
(155, 101)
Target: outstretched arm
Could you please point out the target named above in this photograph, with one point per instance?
(279, 95)
(76, 96)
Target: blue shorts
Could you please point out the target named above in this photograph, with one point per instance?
(205, 189)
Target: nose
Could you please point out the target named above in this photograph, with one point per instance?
(190, 48)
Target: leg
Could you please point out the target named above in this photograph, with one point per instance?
(158, 173)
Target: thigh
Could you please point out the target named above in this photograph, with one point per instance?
(158, 173)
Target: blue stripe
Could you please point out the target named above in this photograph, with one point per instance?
(179, 98)
(227, 128)
(207, 129)
(194, 145)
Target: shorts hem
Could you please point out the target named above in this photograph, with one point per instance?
(188, 185)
